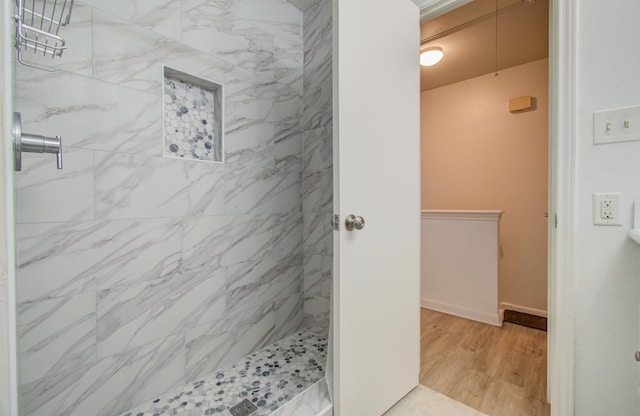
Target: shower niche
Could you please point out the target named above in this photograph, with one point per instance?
(192, 114)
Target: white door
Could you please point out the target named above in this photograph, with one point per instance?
(376, 328)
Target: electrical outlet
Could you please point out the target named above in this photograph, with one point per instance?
(606, 209)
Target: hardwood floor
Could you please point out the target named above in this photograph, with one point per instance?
(499, 371)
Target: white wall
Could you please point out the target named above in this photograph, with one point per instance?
(607, 278)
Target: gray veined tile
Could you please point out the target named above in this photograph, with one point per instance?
(317, 293)
(317, 77)
(63, 259)
(258, 295)
(287, 105)
(318, 63)
(78, 37)
(250, 148)
(130, 55)
(326, 97)
(311, 274)
(56, 335)
(262, 36)
(327, 27)
(312, 108)
(131, 316)
(325, 78)
(317, 280)
(317, 314)
(243, 277)
(89, 113)
(256, 283)
(46, 194)
(251, 100)
(220, 241)
(287, 235)
(131, 186)
(259, 146)
(161, 16)
(312, 26)
(287, 148)
(224, 342)
(327, 16)
(289, 315)
(111, 385)
(318, 148)
(254, 328)
(317, 234)
(317, 276)
(311, 79)
(162, 370)
(209, 347)
(317, 191)
(269, 191)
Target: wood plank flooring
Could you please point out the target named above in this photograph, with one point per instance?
(499, 371)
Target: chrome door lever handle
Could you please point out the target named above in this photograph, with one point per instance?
(351, 222)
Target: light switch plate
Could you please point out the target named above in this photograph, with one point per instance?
(618, 125)
(606, 209)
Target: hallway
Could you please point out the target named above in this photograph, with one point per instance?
(498, 371)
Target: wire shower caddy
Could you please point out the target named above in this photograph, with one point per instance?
(38, 24)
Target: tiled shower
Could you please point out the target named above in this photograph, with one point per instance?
(139, 273)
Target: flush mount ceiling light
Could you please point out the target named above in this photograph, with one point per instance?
(431, 55)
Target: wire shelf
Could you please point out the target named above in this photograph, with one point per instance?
(38, 24)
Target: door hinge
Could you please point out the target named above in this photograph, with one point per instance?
(335, 222)
(556, 221)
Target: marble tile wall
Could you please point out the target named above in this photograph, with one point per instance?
(138, 273)
(317, 174)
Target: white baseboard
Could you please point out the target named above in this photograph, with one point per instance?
(518, 308)
(480, 316)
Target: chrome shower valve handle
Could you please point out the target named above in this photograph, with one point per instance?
(32, 143)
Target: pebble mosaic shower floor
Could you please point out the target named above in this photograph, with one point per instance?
(256, 385)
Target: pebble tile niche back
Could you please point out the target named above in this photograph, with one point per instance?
(192, 116)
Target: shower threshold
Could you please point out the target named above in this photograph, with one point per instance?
(258, 385)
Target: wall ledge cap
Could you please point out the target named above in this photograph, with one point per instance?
(475, 215)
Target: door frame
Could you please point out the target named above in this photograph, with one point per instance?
(561, 195)
(562, 173)
(9, 363)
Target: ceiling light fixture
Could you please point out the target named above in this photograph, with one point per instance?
(431, 56)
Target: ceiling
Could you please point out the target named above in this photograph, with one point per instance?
(467, 36)
(434, 8)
